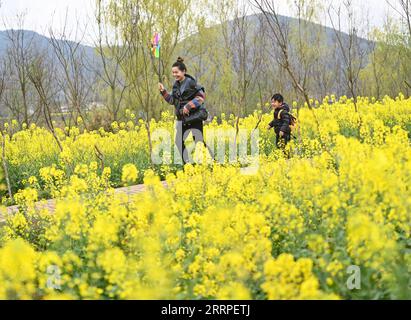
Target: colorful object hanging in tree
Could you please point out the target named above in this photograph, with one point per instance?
(155, 45)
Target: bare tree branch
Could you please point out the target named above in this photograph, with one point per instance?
(74, 81)
(351, 48)
(280, 33)
(41, 76)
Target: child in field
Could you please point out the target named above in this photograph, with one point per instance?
(282, 120)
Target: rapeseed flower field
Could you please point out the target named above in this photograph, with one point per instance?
(292, 230)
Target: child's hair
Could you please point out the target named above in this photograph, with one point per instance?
(180, 64)
(278, 97)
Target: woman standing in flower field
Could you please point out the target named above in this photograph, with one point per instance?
(188, 99)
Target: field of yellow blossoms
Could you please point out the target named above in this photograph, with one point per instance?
(292, 230)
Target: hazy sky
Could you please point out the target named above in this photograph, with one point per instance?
(40, 15)
(43, 14)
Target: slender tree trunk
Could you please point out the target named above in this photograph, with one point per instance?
(5, 166)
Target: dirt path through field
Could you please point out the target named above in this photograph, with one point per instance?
(50, 204)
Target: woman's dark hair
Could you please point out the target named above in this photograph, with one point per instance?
(180, 64)
(278, 97)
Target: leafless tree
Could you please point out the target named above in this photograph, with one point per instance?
(280, 33)
(111, 55)
(246, 43)
(353, 52)
(41, 74)
(18, 55)
(75, 75)
(404, 11)
(247, 56)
